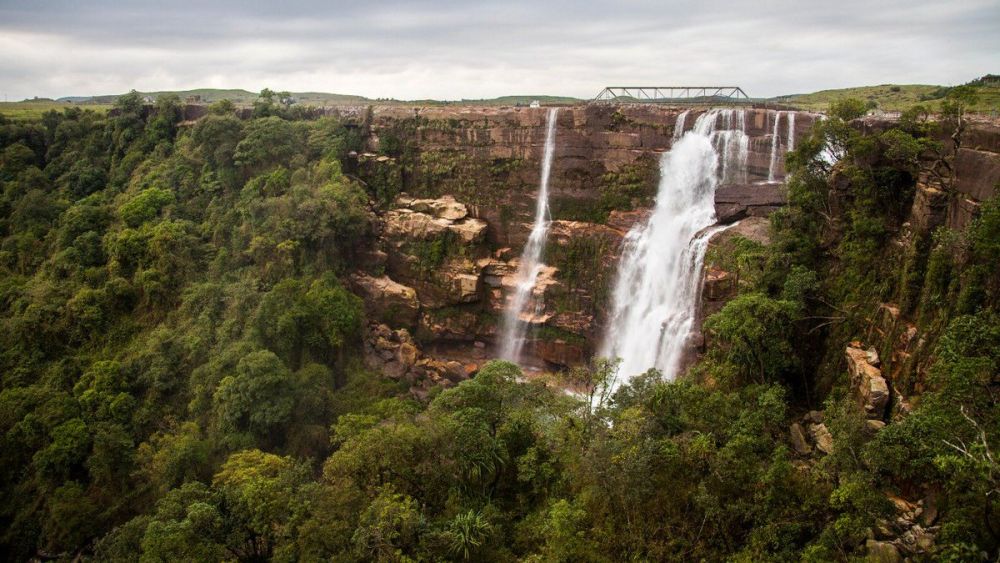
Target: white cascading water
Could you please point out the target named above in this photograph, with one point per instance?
(791, 131)
(731, 142)
(679, 126)
(774, 148)
(515, 328)
(658, 283)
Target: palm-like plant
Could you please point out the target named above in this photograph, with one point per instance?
(468, 531)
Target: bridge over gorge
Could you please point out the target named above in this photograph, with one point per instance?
(715, 95)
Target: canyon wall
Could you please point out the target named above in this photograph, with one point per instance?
(604, 179)
(460, 269)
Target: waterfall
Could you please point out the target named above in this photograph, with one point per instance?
(774, 147)
(514, 328)
(731, 142)
(679, 126)
(791, 131)
(656, 292)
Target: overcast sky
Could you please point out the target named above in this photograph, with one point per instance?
(472, 49)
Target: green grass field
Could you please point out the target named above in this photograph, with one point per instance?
(35, 109)
(890, 97)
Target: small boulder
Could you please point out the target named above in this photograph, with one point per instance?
(799, 442)
(882, 552)
(719, 285)
(822, 437)
(407, 354)
(874, 426)
(469, 231)
(464, 288)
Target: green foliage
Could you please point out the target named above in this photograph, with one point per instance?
(144, 206)
(847, 109)
(267, 142)
(145, 285)
(632, 186)
(256, 400)
(754, 334)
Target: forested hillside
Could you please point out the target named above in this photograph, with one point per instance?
(182, 376)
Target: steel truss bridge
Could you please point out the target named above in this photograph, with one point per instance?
(673, 95)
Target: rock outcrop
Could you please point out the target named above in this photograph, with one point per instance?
(719, 285)
(396, 355)
(388, 301)
(458, 252)
(432, 247)
(867, 383)
(735, 202)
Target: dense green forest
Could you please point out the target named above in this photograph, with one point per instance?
(182, 376)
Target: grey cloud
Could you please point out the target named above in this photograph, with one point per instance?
(454, 49)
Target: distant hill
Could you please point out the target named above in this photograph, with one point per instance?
(892, 97)
(245, 97)
(209, 95)
(525, 100)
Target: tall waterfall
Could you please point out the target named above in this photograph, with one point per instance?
(514, 328)
(791, 130)
(659, 277)
(775, 141)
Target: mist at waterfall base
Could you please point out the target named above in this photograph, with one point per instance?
(658, 284)
(514, 328)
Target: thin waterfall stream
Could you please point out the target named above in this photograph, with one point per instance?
(516, 319)
(775, 141)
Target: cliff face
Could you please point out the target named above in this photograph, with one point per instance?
(949, 190)
(490, 157)
(604, 178)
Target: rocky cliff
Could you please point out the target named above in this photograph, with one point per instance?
(460, 184)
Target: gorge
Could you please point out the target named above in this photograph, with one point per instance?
(270, 333)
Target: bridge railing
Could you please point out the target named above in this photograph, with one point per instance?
(673, 95)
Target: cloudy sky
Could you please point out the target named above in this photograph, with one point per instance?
(471, 49)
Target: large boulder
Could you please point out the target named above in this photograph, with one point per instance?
(445, 207)
(402, 224)
(867, 381)
(393, 303)
(395, 355)
(882, 552)
(469, 231)
(561, 352)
